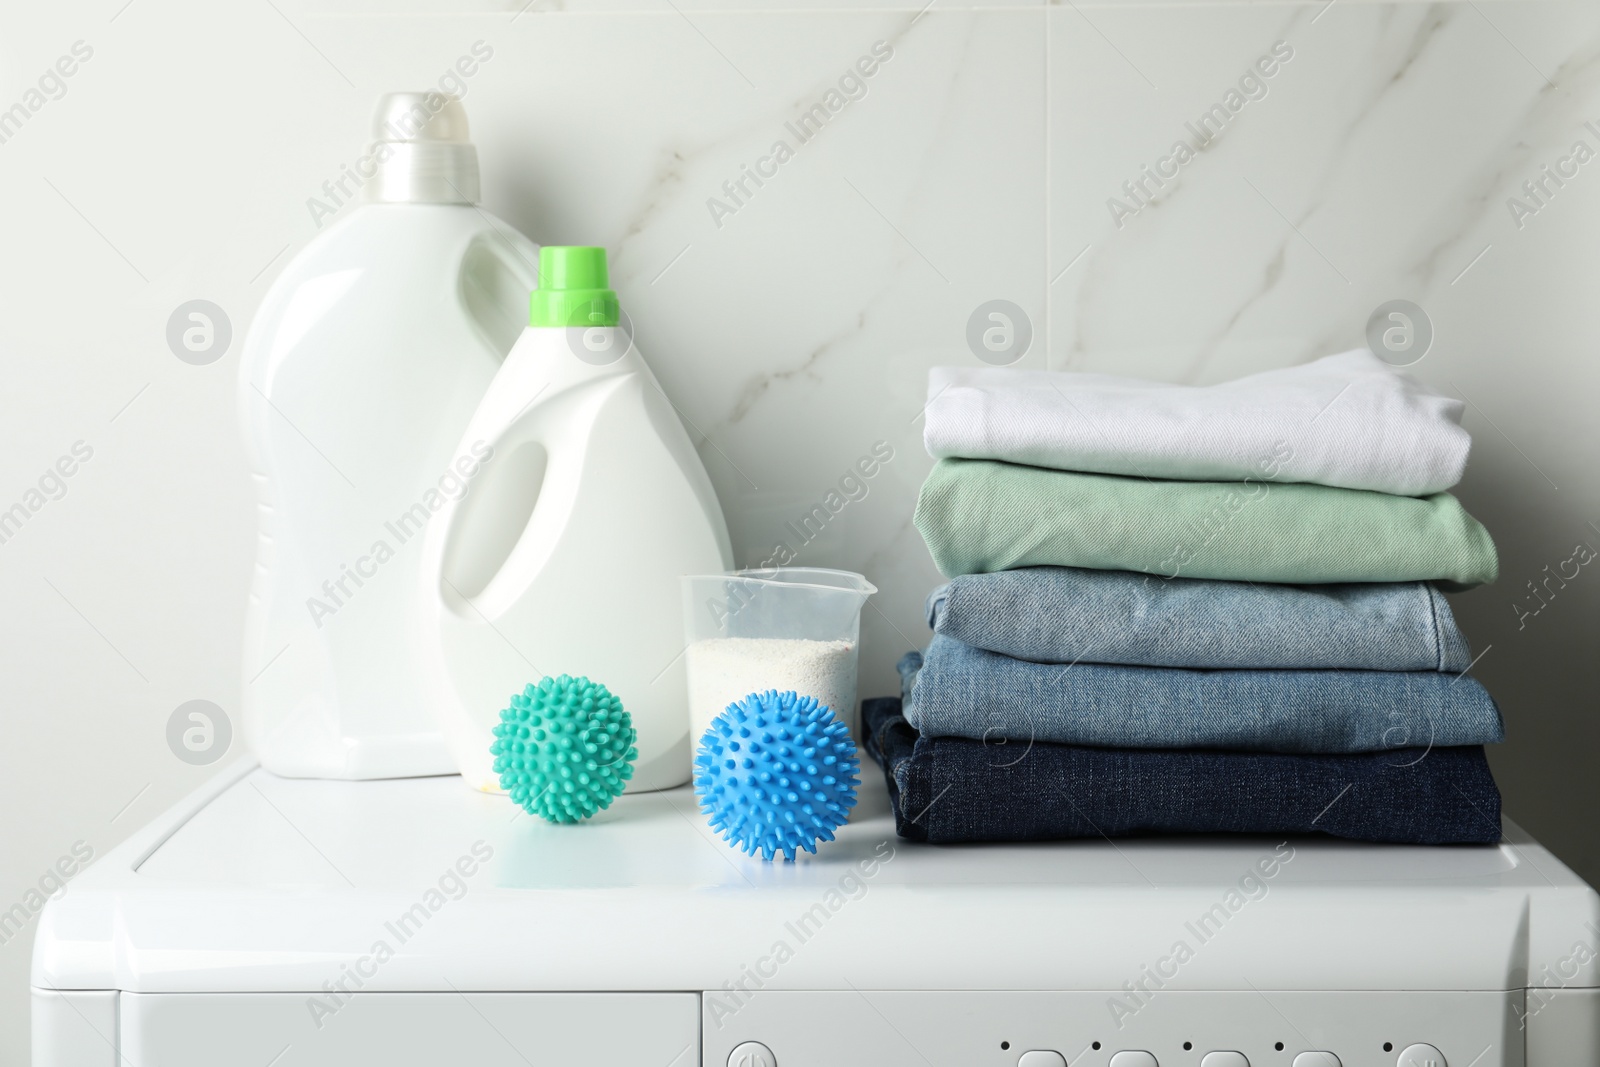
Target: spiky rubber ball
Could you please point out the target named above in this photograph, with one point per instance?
(564, 749)
(776, 772)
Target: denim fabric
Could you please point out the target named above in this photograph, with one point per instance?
(979, 516)
(952, 789)
(1071, 615)
(961, 691)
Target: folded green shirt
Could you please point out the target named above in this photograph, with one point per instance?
(979, 516)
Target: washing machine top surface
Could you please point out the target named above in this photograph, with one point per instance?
(262, 883)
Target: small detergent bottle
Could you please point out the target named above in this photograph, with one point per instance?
(564, 558)
(358, 375)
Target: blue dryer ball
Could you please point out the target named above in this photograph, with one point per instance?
(776, 772)
(564, 748)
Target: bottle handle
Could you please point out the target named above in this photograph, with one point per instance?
(499, 536)
(498, 268)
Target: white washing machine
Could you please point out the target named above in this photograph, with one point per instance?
(267, 922)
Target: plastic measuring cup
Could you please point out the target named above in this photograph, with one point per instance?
(777, 628)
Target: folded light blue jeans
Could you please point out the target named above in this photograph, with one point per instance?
(1070, 614)
(956, 690)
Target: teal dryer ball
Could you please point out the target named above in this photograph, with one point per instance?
(564, 748)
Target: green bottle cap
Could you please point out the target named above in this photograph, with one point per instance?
(574, 288)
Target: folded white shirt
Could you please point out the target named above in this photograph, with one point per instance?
(1348, 420)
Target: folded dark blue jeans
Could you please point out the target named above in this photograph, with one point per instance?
(947, 790)
(1072, 614)
(955, 690)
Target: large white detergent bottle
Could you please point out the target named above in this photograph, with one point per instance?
(361, 368)
(565, 555)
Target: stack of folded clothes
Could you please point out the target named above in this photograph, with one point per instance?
(1193, 609)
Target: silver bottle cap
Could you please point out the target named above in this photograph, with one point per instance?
(424, 151)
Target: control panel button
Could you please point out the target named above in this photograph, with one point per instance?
(752, 1054)
(1042, 1058)
(1420, 1055)
(1134, 1058)
(1225, 1059)
(1317, 1059)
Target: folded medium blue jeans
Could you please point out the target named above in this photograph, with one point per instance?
(955, 690)
(1071, 614)
(947, 790)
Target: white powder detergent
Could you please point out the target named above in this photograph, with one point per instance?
(724, 670)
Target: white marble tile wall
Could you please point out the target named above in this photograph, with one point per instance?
(1375, 162)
